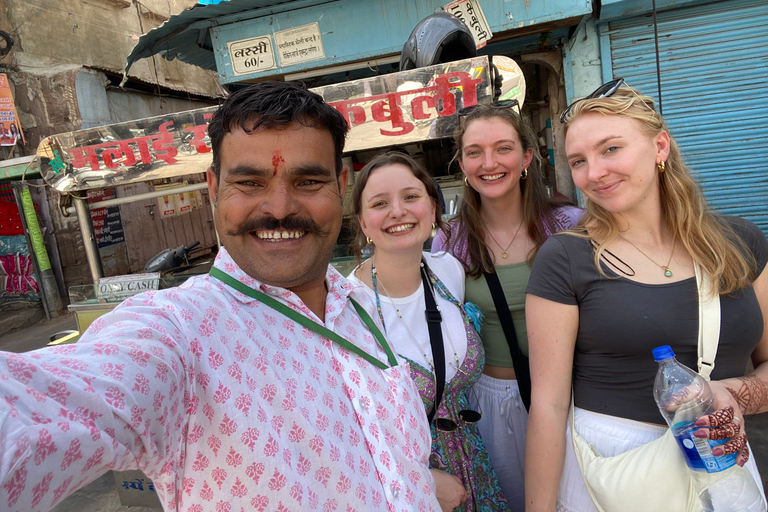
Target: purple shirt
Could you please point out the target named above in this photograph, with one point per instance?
(564, 217)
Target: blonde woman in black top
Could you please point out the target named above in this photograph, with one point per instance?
(600, 298)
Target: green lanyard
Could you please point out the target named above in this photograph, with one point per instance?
(311, 324)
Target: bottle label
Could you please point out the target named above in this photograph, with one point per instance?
(698, 452)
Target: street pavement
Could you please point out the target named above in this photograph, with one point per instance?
(101, 495)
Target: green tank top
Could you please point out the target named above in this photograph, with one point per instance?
(514, 279)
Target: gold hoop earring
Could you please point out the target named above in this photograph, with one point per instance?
(368, 240)
(434, 229)
(466, 182)
(661, 166)
(524, 174)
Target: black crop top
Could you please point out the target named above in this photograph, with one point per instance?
(621, 321)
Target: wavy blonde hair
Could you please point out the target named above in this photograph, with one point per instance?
(706, 236)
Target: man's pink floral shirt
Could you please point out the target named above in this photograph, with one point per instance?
(223, 402)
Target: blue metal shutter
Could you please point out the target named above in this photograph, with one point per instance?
(714, 81)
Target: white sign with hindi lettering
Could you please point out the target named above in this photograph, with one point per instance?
(300, 44)
(251, 55)
(471, 14)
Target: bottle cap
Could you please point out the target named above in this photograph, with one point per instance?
(663, 352)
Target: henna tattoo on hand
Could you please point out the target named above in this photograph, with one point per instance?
(752, 395)
(721, 417)
(737, 444)
(723, 432)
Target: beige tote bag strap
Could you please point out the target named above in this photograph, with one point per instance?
(709, 322)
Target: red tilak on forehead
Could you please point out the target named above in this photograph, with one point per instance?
(277, 159)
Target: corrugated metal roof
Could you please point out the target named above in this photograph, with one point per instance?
(185, 36)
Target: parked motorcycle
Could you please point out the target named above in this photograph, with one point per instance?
(170, 261)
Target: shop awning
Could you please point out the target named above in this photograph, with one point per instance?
(185, 36)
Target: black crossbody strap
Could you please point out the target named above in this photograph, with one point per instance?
(434, 321)
(522, 370)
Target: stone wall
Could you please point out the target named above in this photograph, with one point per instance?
(55, 41)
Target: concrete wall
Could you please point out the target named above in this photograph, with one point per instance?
(66, 58)
(98, 34)
(56, 43)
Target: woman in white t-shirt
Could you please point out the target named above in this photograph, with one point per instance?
(397, 206)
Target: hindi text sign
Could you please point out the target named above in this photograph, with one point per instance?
(471, 14)
(107, 222)
(252, 55)
(10, 127)
(409, 106)
(300, 44)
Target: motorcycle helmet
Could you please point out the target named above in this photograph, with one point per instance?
(438, 38)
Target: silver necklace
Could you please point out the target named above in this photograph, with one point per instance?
(376, 280)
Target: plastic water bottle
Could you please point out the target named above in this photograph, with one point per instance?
(683, 396)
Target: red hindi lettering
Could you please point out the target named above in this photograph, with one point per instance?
(122, 154)
(142, 143)
(419, 103)
(163, 146)
(198, 140)
(388, 109)
(84, 155)
(461, 80)
(347, 109)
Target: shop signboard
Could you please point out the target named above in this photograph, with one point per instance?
(398, 108)
(10, 127)
(409, 106)
(300, 44)
(471, 14)
(120, 287)
(107, 222)
(251, 55)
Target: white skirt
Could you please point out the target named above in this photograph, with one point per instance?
(502, 428)
(610, 436)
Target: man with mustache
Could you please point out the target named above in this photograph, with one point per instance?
(264, 385)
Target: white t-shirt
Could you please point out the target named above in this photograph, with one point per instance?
(419, 350)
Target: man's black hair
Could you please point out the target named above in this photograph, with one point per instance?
(274, 104)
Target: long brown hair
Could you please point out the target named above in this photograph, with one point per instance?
(361, 180)
(709, 240)
(537, 207)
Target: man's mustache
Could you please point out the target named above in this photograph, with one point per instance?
(291, 223)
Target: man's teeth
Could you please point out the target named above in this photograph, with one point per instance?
(399, 229)
(491, 177)
(274, 236)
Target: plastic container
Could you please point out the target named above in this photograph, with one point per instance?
(683, 396)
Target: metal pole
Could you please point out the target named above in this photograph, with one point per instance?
(138, 197)
(48, 290)
(89, 238)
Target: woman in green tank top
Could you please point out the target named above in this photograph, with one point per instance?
(503, 219)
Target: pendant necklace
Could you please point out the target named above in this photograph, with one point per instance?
(504, 253)
(376, 279)
(665, 268)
